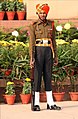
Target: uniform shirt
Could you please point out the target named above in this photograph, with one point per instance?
(40, 30)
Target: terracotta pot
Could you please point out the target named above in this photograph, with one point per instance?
(73, 96)
(43, 97)
(59, 96)
(10, 15)
(25, 98)
(10, 99)
(21, 15)
(2, 15)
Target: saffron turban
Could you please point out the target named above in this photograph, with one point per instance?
(42, 7)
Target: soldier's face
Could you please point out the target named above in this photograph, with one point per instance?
(42, 15)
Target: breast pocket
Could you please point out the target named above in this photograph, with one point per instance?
(50, 30)
(38, 33)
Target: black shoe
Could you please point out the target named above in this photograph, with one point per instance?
(36, 108)
(53, 107)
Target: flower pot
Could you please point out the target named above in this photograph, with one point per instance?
(10, 99)
(10, 15)
(2, 15)
(59, 96)
(21, 15)
(25, 98)
(73, 96)
(43, 97)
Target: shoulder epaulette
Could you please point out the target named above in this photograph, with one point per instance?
(33, 23)
(51, 20)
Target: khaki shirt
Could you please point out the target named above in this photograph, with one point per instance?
(41, 30)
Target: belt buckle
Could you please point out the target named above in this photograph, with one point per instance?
(45, 41)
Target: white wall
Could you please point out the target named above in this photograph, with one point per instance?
(58, 8)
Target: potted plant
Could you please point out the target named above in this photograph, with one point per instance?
(14, 58)
(59, 73)
(72, 70)
(2, 10)
(10, 93)
(6, 59)
(73, 82)
(58, 77)
(73, 93)
(26, 91)
(10, 9)
(20, 10)
(5, 63)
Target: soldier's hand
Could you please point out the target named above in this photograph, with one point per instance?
(55, 61)
(32, 61)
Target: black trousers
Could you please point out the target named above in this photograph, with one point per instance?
(43, 66)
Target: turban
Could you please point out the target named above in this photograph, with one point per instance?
(42, 7)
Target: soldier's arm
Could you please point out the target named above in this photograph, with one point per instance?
(54, 47)
(32, 60)
(31, 44)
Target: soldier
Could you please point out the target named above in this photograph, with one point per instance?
(42, 47)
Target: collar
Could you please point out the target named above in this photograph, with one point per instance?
(40, 22)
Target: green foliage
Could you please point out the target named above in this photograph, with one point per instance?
(19, 6)
(58, 77)
(67, 59)
(26, 88)
(10, 88)
(7, 36)
(72, 74)
(70, 34)
(10, 5)
(20, 69)
(74, 54)
(64, 52)
(68, 54)
(2, 6)
(67, 34)
(73, 82)
(14, 53)
(14, 5)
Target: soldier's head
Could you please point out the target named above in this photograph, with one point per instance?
(42, 11)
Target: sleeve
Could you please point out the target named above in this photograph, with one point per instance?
(31, 41)
(53, 40)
